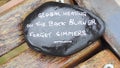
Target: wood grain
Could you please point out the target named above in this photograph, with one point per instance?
(32, 59)
(2, 2)
(100, 60)
(11, 34)
(109, 11)
(9, 5)
(13, 53)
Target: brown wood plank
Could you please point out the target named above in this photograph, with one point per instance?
(100, 60)
(109, 11)
(13, 53)
(11, 34)
(9, 5)
(32, 59)
(2, 2)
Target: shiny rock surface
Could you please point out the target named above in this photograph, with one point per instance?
(61, 29)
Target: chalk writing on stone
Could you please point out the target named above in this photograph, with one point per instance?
(61, 29)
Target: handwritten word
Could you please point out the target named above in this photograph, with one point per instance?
(89, 22)
(42, 35)
(68, 13)
(70, 33)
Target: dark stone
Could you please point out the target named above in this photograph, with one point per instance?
(61, 29)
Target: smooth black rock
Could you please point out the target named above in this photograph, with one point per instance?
(61, 29)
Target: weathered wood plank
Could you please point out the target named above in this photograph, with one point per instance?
(100, 60)
(13, 53)
(109, 11)
(11, 34)
(32, 59)
(9, 5)
(2, 2)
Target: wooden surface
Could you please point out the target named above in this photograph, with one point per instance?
(11, 34)
(32, 59)
(109, 11)
(101, 60)
(14, 52)
(9, 5)
(2, 2)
